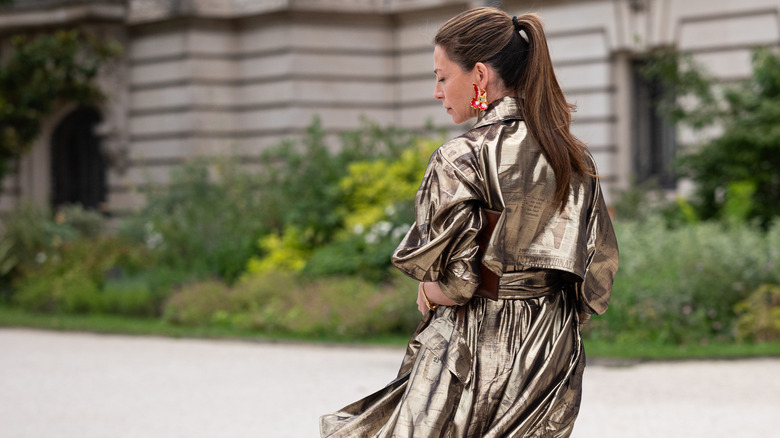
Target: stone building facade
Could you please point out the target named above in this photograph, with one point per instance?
(210, 77)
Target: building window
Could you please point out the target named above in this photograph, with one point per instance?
(654, 138)
(77, 164)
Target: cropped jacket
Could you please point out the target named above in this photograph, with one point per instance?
(497, 165)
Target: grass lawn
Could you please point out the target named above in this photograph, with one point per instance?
(10, 317)
(156, 327)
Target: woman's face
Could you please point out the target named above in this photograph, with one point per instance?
(454, 87)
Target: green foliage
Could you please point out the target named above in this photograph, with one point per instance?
(683, 81)
(199, 224)
(71, 291)
(378, 209)
(198, 303)
(304, 181)
(759, 315)
(644, 201)
(58, 264)
(287, 252)
(41, 72)
(32, 235)
(72, 278)
(739, 201)
(340, 213)
(736, 174)
(748, 151)
(365, 256)
(370, 187)
(680, 285)
(216, 219)
(131, 296)
(86, 223)
(7, 258)
(340, 307)
(638, 201)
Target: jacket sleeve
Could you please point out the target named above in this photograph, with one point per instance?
(441, 244)
(602, 259)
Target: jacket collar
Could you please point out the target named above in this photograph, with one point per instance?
(506, 108)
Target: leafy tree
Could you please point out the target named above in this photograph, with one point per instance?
(40, 73)
(737, 174)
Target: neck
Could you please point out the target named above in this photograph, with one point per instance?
(499, 94)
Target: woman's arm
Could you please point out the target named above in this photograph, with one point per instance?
(434, 294)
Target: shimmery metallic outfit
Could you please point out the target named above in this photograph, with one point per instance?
(511, 367)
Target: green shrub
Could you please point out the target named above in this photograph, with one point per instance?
(128, 296)
(86, 223)
(280, 303)
(199, 224)
(741, 163)
(32, 235)
(338, 213)
(287, 252)
(334, 306)
(366, 256)
(759, 315)
(680, 285)
(638, 201)
(72, 291)
(71, 280)
(197, 303)
(378, 210)
(300, 186)
(644, 201)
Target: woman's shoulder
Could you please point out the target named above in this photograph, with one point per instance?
(466, 146)
(460, 155)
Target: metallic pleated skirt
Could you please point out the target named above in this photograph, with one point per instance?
(506, 368)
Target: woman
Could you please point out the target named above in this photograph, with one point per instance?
(510, 367)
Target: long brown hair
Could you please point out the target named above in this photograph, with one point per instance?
(489, 35)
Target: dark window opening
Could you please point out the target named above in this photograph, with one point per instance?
(77, 164)
(654, 137)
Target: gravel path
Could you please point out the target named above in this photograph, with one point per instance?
(56, 384)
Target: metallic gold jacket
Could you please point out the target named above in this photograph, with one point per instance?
(497, 166)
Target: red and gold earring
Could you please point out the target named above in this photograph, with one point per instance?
(479, 102)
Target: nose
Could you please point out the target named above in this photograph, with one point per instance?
(438, 93)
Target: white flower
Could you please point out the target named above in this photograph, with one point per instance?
(390, 210)
(358, 229)
(383, 227)
(153, 240)
(371, 238)
(40, 258)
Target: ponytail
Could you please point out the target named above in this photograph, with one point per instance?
(548, 115)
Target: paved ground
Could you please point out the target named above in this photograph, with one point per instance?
(84, 385)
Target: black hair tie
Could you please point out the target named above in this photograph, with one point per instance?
(517, 25)
(519, 29)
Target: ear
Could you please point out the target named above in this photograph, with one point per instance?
(482, 74)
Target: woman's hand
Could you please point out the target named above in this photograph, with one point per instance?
(434, 294)
(421, 305)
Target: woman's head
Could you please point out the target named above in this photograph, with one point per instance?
(510, 56)
(476, 47)
(488, 36)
